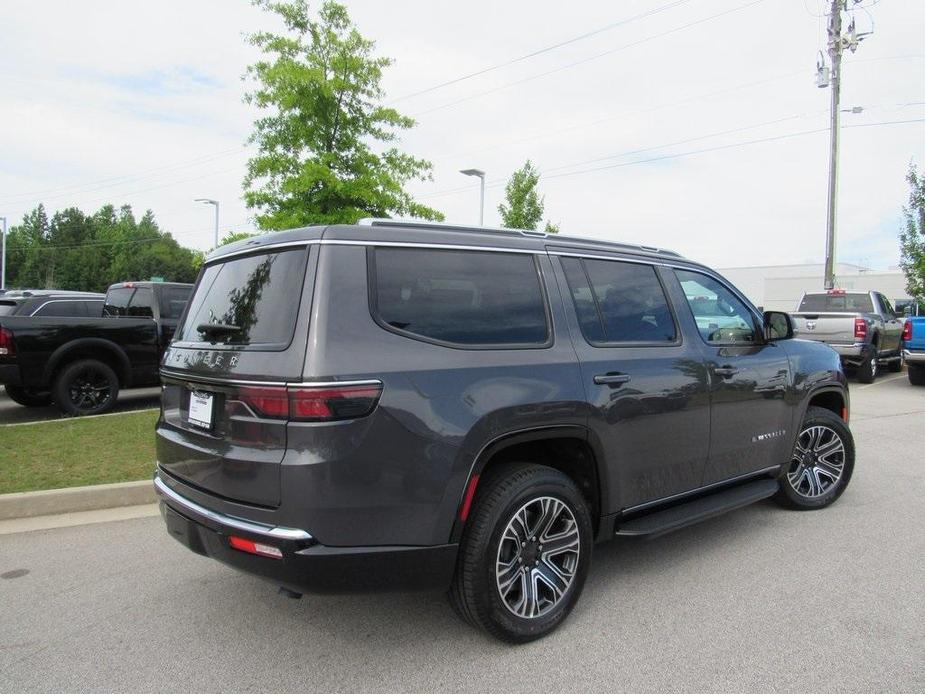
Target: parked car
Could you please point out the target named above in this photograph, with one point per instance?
(51, 302)
(420, 406)
(80, 363)
(862, 327)
(914, 349)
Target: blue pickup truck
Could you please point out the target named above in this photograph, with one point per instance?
(914, 349)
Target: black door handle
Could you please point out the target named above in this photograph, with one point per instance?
(725, 371)
(611, 379)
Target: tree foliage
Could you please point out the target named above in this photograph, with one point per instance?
(523, 207)
(325, 143)
(77, 251)
(912, 237)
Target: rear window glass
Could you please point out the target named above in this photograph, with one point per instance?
(247, 301)
(834, 303)
(117, 301)
(141, 304)
(469, 298)
(619, 302)
(173, 301)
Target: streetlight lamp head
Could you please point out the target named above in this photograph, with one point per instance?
(473, 172)
(208, 201)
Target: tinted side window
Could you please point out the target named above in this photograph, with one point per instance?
(93, 309)
(141, 305)
(721, 317)
(117, 301)
(460, 297)
(72, 309)
(173, 301)
(619, 302)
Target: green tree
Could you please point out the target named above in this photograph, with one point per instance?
(912, 237)
(235, 236)
(523, 207)
(324, 141)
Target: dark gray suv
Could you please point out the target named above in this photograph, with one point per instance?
(404, 405)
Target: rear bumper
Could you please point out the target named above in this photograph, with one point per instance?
(9, 375)
(853, 351)
(914, 356)
(306, 565)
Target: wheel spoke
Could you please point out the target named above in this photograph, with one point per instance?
(552, 578)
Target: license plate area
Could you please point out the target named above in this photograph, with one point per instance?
(201, 409)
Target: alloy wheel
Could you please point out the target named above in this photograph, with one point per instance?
(537, 557)
(818, 461)
(89, 389)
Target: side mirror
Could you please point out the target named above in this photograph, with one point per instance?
(777, 326)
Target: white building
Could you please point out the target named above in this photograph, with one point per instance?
(779, 287)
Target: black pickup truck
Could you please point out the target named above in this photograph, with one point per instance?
(81, 363)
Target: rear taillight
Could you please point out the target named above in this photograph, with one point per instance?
(860, 328)
(257, 548)
(311, 403)
(7, 348)
(907, 331)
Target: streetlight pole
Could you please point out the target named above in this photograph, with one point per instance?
(481, 175)
(209, 201)
(3, 262)
(835, 51)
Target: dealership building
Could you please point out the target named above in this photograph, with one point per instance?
(780, 287)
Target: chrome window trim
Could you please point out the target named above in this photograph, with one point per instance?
(260, 249)
(439, 246)
(275, 532)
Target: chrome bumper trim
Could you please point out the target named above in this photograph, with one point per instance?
(914, 357)
(230, 521)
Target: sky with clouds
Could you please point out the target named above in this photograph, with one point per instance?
(694, 125)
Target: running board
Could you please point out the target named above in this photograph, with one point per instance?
(661, 522)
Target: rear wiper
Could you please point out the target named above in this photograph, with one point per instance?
(217, 328)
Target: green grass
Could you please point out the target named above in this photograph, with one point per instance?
(76, 452)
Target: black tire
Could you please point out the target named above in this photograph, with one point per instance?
(807, 483)
(489, 539)
(916, 374)
(28, 397)
(85, 387)
(896, 365)
(867, 371)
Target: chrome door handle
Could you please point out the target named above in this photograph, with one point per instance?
(725, 371)
(611, 379)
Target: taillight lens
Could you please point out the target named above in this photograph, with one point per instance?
(907, 331)
(7, 348)
(860, 328)
(312, 404)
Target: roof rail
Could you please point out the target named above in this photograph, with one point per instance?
(424, 224)
(563, 238)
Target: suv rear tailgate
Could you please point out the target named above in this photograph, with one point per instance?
(223, 426)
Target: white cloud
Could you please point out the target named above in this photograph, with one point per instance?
(141, 103)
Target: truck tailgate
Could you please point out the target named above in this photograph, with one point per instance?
(834, 328)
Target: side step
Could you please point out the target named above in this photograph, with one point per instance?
(676, 517)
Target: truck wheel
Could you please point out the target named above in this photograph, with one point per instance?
(85, 387)
(867, 371)
(525, 553)
(897, 364)
(27, 397)
(916, 374)
(821, 465)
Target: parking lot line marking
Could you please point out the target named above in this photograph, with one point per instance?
(73, 419)
(882, 380)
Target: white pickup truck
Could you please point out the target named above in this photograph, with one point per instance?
(861, 326)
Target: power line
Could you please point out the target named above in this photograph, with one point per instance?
(568, 66)
(546, 49)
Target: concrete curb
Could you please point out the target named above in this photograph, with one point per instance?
(73, 499)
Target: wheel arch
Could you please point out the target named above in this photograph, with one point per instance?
(90, 348)
(568, 448)
(832, 398)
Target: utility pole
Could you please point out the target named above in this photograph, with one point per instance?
(837, 44)
(3, 253)
(835, 51)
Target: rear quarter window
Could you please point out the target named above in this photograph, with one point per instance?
(70, 309)
(474, 299)
(256, 297)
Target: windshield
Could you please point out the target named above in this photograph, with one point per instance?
(837, 303)
(247, 301)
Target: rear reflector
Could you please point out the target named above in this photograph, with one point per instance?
(467, 500)
(257, 548)
(7, 349)
(860, 328)
(312, 404)
(907, 331)
(844, 414)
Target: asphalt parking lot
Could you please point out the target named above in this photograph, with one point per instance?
(129, 400)
(760, 599)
